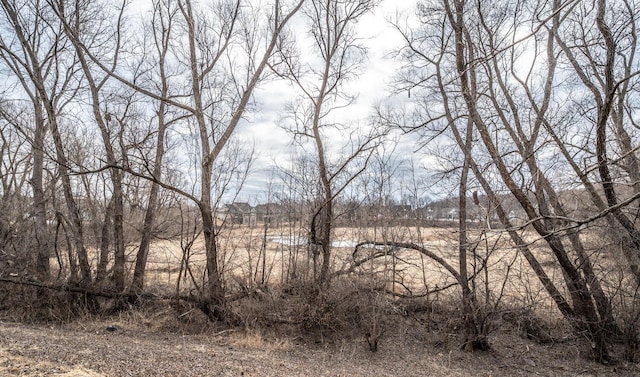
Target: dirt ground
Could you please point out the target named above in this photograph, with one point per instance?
(90, 349)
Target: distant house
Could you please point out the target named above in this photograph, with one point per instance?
(425, 213)
(271, 213)
(237, 213)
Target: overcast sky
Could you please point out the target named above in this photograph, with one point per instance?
(263, 130)
(272, 142)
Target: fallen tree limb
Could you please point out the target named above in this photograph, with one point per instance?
(411, 246)
(86, 290)
(111, 294)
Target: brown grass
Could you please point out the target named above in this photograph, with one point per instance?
(16, 365)
(408, 272)
(423, 343)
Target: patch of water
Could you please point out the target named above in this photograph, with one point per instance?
(300, 241)
(344, 243)
(289, 240)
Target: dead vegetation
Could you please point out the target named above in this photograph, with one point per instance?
(388, 304)
(420, 338)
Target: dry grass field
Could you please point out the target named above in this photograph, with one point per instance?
(407, 272)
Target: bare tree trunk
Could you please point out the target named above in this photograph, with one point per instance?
(137, 284)
(474, 338)
(606, 103)
(325, 212)
(162, 45)
(41, 233)
(105, 243)
(214, 297)
(77, 231)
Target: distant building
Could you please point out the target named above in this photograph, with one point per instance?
(271, 213)
(237, 213)
(425, 213)
(400, 211)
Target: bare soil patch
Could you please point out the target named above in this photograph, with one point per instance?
(89, 349)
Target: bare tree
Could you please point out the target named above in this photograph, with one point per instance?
(206, 64)
(472, 58)
(16, 229)
(74, 18)
(161, 32)
(340, 56)
(40, 58)
(611, 88)
(225, 57)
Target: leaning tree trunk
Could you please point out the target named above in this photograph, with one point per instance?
(77, 232)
